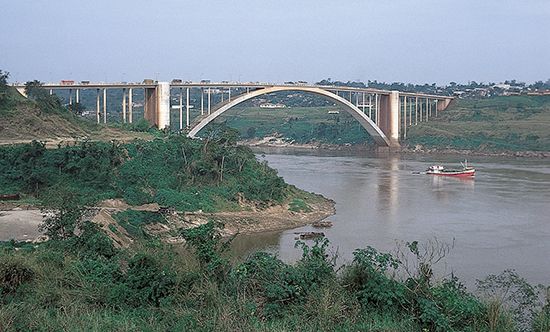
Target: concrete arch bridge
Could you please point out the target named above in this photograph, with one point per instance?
(385, 115)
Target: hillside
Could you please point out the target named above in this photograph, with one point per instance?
(23, 120)
(514, 123)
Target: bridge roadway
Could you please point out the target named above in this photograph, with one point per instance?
(384, 114)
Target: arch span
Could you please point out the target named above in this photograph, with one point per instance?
(373, 130)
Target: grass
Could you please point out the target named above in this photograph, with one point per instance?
(512, 123)
(299, 124)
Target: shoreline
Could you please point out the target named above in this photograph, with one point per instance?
(405, 150)
(21, 222)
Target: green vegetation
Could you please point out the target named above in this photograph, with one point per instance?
(298, 205)
(174, 171)
(512, 123)
(82, 282)
(298, 124)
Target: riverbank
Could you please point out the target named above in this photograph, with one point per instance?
(272, 142)
(21, 222)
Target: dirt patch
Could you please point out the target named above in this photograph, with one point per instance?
(274, 218)
(26, 123)
(121, 238)
(20, 225)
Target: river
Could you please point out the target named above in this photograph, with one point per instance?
(499, 220)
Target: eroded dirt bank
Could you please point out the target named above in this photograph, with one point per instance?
(22, 222)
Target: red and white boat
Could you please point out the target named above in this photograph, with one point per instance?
(466, 171)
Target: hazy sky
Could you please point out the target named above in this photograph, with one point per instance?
(262, 40)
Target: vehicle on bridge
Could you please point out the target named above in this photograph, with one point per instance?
(67, 82)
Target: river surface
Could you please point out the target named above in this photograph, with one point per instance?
(499, 220)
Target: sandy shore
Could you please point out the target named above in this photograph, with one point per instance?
(22, 224)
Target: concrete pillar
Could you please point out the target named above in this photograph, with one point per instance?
(130, 105)
(78, 96)
(97, 106)
(181, 109)
(404, 117)
(370, 106)
(389, 117)
(229, 92)
(202, 101)
(427, 109)
(123, 105)
(187, 123)
(163, 105)
(209, 92)
(70, 96)
(416, 111)
(443, 104)
(104, 105)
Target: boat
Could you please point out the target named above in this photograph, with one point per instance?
(465, 171)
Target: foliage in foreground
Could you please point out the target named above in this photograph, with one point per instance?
(82, 282)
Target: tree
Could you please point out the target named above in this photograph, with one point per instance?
(46, 102)
(65, 214)
(3, 87)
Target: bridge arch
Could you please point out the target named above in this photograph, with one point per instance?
(373, 130)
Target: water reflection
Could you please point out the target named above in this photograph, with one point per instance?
(498, 220)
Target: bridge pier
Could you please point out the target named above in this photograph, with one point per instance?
(389, 117)
(157, 105)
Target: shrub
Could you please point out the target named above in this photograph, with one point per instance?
(13, 273)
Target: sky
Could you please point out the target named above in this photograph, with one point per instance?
(421, 41)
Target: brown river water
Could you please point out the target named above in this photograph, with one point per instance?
(498, 220)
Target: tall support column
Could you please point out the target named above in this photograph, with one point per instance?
(370, 106)
(97, 106)
(404, 117)
(389, 117)
(104, 105)
(123, 105)
(187, 106)
(209, 93)
(130, 105)
(51, 92)
(221, 90)
(202, 101)
(181, 109)
(410, 112)
(436, 102)
(427, 109)
(229, 92)
(77, 96)
(416, 111)
(162, 105)
(420, 111)
(350, 96)
(377, 97)
(70, 96)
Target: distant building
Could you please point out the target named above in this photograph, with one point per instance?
(269, 105)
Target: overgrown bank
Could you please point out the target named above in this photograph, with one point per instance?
(80, 281)
(212, 178)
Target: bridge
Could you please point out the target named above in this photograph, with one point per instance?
(384, 114)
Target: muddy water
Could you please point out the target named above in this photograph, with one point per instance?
(499, 220)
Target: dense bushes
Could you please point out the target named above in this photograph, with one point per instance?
(173, 171)
(154, 286)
